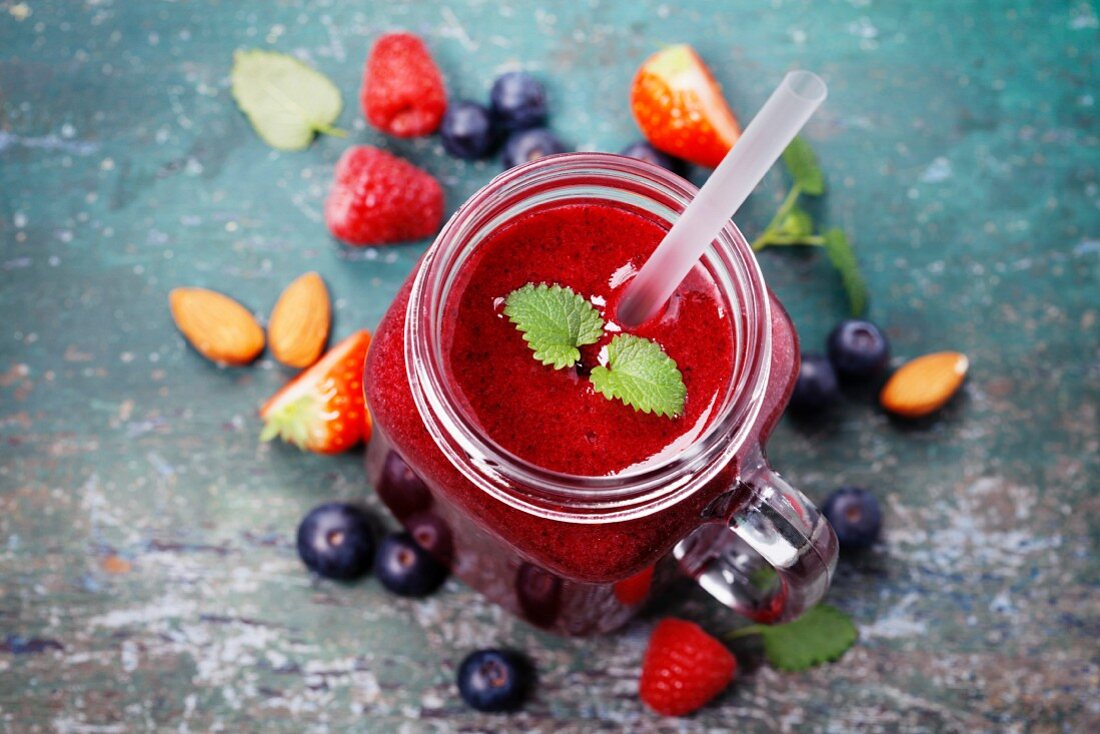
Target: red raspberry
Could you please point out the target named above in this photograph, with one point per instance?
(403, 91)
(634, 589)
(378, 198)
(684, 668)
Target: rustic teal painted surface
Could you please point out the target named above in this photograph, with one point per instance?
(960, 142)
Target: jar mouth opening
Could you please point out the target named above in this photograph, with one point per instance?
(572, 497)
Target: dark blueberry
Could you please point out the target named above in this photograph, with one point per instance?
(854, 515)
(858, 349)
(494, 680)
(518, 101)
(529, 145)
(431, 533)
(643, 151)
(539, 594)
(467, 131)
(335, 541)
(405, 568)
(401, 489)
(816, 387)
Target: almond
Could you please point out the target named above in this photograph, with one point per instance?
(300, 322)
(925, 384)
(220, 329)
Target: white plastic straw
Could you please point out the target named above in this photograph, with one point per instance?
(763, 141)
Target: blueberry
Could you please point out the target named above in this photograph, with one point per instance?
(816, 387)
(405, 568)
(643, 151)
(494, 680)
(529, 145)
(518, 101)
(539, 594)
(335, 541)
(401, 489)
(858, 349)
(467, 131)
(854, 515)
(432, 533)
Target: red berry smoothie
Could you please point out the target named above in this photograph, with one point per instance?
(574, 578)
(554, 418)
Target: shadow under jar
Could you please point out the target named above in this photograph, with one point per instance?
(580, 553)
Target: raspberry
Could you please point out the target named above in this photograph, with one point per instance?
(403, 91)
(377, 198)
(684, 668)
(634, 589)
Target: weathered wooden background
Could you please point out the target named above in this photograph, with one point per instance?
(147, 574)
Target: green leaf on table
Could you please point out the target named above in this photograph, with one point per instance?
(555, 321)
(844, 260)
(821, 635)
(796, 223)
(641, 375)
(802, 163)
(286, 101)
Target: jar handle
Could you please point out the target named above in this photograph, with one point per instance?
(777, 560)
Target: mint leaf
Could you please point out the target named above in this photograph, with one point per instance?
(286, 101)
(844, 259)
(821, 635)
(802, 163)
(796, 224)
(554, 321)
(641, 375)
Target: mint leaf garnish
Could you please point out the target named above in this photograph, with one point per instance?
(286, 101)
(802, 163)
(821, 635)
(844, 260)
(555, 321)
(641, 375)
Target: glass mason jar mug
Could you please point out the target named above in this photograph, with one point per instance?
(581, 554)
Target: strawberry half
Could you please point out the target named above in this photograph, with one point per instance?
(684, 668)
(680, 109)
(323, 409)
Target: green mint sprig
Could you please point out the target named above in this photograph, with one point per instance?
(821, 635)
(286, 101)
(556, 321)
(802, 163)
(793, 225)
(641, 375)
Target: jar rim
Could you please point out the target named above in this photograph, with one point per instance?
(557, 495)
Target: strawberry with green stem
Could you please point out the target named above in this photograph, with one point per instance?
(323, 409)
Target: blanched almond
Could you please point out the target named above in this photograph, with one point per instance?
(299, 325)
(925, 384)
(218, 327)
